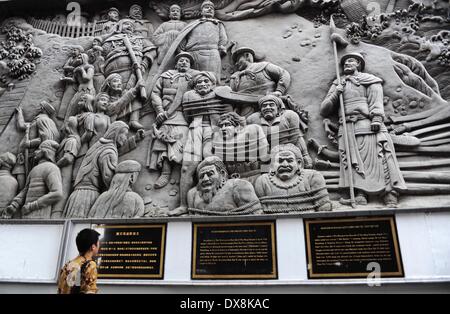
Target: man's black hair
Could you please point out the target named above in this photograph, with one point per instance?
(85, 239)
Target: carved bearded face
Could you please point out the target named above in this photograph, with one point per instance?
(175, 13)
(136, 12)
(116, 84)
(244, 61)
(203, 85)
(128, 28)
(286, 165)
(269, 110)
(113, 16)
(208, 11)
(183, 64)
(209, 182)
(351, 65)
(228, 129)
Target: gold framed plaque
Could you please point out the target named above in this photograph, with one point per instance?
(244, 250)
(352, 248)
(131, 251)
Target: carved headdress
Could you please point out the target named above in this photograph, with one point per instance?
(207, 2)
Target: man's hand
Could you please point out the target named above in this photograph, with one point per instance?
(140, 135)
(10, 211)
(308, 163)
(375, 126)
(140, 84)
(340, 89)
(30, 207)
(160, 118)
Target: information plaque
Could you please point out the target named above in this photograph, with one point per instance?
(131, 251)
(353, 248)
(234, 251)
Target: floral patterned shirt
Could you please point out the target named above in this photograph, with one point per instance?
(78, 273)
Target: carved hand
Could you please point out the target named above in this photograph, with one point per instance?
(161, 118)
(308, 162)
(28, 208)
(340, 89)
(140, 135)
(376, 124)
(10, 210)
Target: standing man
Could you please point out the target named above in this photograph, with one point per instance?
(205, 39)
(167, 32)
(128, 53)
(41, 128)
(281, 126)
(171, 127)
(8, 184)
(374, 163)
(43, 189)
(79, 276)
(258, 78)
(112, 18)
(143, 27)
(202, 107)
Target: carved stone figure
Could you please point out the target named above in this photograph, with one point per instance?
(120, 201)
(200, 106)
(171, 127)
(76, 58)
(83, 78)
(280, 125)
(259, 78)
(41, 128)
(43, 188)
(8, 183)
(66, 156)
(121, 100)
(289, 187)
(206, 40)
(216, 195)
(130, 55)
(112, 18)
(98, 167)
(241, 147)
(168, 31)
(374, 163)
(95, 124)
(97, 60)
(143, 27)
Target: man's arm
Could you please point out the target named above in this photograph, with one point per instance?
(223, 40)
(244, 193)
(329, 104)
(280, 76)
(376, 107)
(53, 182)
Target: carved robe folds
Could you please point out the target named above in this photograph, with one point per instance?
(374, 163)
(205, 42)
(167, 96)
(44, 188)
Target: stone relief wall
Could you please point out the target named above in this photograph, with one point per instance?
(226, 108)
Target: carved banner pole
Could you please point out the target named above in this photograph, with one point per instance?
(136, 66)
(334, 38)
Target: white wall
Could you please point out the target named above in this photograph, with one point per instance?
(424, 242)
